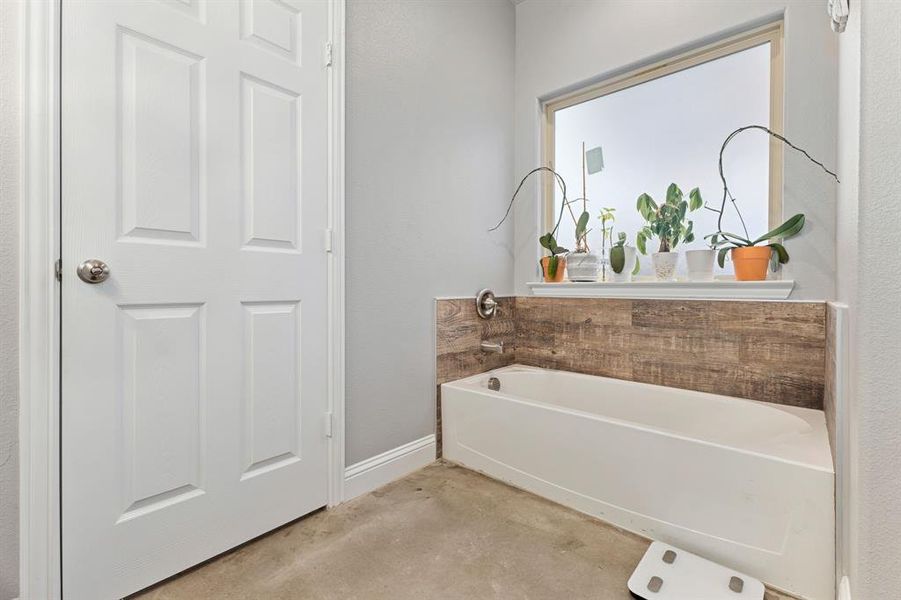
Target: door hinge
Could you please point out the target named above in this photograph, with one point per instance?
(328, 54)
(329, 235)
(329, 424)
(58, 269)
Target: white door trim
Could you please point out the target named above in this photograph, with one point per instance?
(39, 292)
(39, 306)
(336, 258)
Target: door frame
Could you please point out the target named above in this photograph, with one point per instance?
(40, 560)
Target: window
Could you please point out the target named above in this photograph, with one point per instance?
(666, 123)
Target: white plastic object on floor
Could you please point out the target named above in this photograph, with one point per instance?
(668, 573)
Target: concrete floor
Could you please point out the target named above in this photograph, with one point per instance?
(443, 532)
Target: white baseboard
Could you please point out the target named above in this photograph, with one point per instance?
(375, 472)
(844, 589)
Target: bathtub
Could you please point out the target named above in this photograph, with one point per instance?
(747, 484)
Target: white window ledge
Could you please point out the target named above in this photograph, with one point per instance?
(720, 289)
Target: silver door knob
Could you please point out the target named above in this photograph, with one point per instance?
(93, 271)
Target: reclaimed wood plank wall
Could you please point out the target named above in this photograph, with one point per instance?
(770, 351)
(459, 331)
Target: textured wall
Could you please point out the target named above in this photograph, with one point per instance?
(560, 43)
(429, 170)
(9, 324)
(875, 410)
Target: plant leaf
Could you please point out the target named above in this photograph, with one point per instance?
(646, 206)
(735, 239)
(547, 241)
(673, 194)
(788, 229)
(695, 199)
(780, 252)
(637, 268)
(582, 224)
(721, 256)
(640, 241)
(552, 267)
(617, 259)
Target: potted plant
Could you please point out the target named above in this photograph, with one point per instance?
(751, 256)
(623, 260)
(667, 222)
(553, 266)
(582, 264)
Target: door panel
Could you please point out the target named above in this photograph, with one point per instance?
(194, 157)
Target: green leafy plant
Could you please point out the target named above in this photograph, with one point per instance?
(726, 241)
(668, 221)
(607, 220)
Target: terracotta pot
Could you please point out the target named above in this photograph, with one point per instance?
(561, 268)
(751, 263)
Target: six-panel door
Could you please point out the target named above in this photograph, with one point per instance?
(194, 145)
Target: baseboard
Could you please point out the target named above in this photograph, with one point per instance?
(844, 589)
(373, 473)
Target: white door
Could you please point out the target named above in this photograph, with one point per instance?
(194, 383)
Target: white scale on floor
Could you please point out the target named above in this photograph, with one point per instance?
(668, 573)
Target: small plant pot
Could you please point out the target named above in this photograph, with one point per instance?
(561, 268)
(624, 276)
(583, 266)
(665, 265)
(751, 262)
(700, 264)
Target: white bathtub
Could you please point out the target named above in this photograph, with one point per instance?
(747, 484)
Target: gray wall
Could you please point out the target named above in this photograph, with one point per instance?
(9, 328)
(560, 43)
(429, 170)
(868, 272)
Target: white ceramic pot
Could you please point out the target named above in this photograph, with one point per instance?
(665, 265)
(626, 275)
(581, 266)
(700, 264)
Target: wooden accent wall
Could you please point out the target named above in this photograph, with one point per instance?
(459, 331)
(770, 351)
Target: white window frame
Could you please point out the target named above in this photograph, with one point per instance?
(772, 33)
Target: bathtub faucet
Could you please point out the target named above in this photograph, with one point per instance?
(496, 347)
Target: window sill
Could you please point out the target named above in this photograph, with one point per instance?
(719, 289)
